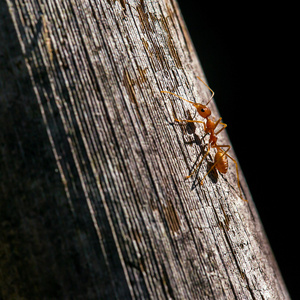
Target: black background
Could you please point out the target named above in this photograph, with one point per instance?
(247, 56)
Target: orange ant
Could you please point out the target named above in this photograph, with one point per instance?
(220, 160)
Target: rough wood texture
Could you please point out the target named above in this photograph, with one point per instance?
(94, 204)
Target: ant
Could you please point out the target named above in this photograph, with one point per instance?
(220, 160)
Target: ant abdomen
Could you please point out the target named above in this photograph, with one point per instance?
(222, 162)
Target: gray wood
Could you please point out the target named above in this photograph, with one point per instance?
(94, 204)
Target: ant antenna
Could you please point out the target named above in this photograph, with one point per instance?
(212, 92)
(166, 92)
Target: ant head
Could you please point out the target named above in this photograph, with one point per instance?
(203, 110)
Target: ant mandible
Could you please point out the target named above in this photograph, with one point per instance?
(220, 160)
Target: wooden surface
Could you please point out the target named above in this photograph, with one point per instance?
(94, 202)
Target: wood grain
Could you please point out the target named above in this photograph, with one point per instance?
(94, 202)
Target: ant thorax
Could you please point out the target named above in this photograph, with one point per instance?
(210, 126)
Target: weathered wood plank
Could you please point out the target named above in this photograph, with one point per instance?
(92, 174)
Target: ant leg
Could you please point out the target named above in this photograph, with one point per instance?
(217, 123)
(199, 164)
(223, 124)
(237, 175)
(189, 121)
